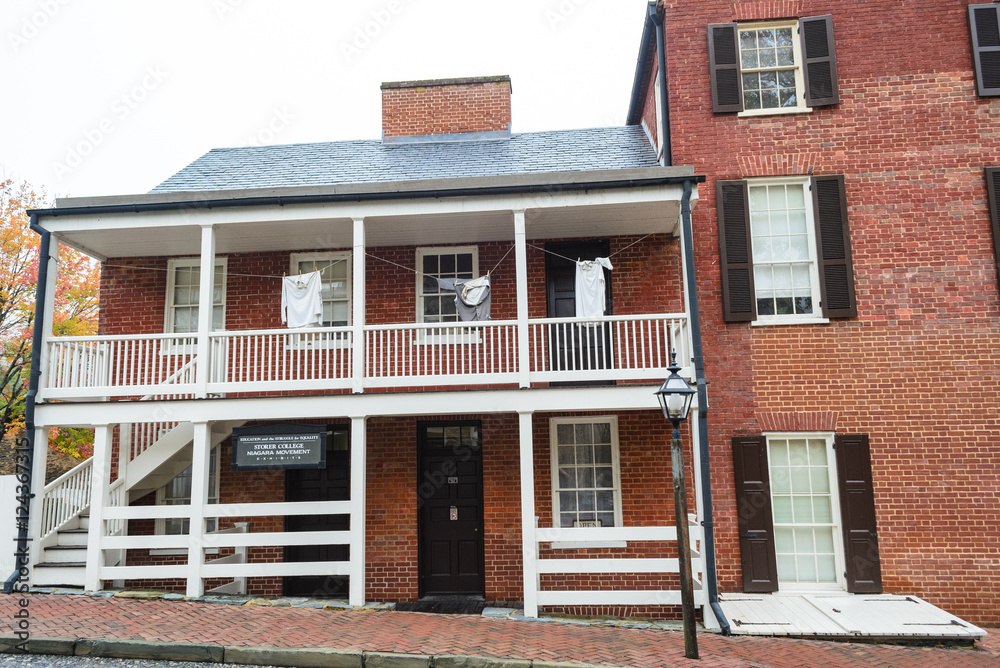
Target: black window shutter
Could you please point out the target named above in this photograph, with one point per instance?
(993, 195)
(733, 204)
(984, 30)
(857, 510)
(724, 67)
(820, 61)
(833, 247)
(753, 508)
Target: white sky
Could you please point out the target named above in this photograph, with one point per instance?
(107, 97)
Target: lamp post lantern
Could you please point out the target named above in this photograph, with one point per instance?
(675, 397)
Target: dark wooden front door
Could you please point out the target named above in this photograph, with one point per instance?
(450, 508)
(330, 484)
(574, 347)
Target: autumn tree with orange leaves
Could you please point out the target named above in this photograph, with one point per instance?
(76, 306)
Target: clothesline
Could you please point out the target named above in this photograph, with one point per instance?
(416, 271)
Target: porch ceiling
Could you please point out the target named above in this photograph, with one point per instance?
(238, 234)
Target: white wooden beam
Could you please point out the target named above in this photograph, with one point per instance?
(358, 305)
(359, 440)
(206, 290)
(625, 397)
(48, 308)
(529, 546)
(521, 258)
(201, 457)
(39, 457)
(98, 503)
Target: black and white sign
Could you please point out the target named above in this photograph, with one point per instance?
(279, 446)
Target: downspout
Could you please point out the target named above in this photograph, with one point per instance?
(711, 584)
(661, 74)
(33, 378)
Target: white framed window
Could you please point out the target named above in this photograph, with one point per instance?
(785, 269)
(335, 272)
(586, 475)
(433, 303)
(771, 68)
(805, 507)
(178, 492)
(183, 279)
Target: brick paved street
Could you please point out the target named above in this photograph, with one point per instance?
(69, 616)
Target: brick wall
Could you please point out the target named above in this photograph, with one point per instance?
(445, 106)
(911, 138)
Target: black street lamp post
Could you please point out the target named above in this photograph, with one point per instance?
(675, 396)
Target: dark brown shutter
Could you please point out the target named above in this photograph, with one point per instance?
(857, 510)
(993, 195)
(724, 67)
(833, 247)
(753, 507)
(820, 61)
(733, 204)
(984, 29)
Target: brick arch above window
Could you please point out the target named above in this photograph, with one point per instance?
(802, 421)
(799, 164)
(758, 10)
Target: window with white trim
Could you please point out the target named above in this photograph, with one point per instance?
(335, 272)
(433, 303)
(770, 67)
(806, 510)
(786, 278)
(183, 288)
(177, 492)
(586, 473)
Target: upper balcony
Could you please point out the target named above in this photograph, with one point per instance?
(384, 334)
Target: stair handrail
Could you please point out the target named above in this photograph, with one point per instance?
(58, 509)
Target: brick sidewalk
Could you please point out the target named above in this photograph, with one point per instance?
(69, 616)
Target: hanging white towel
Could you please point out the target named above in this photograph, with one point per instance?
(590, 294)
(302, 300)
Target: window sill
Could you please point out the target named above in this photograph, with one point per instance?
(770, 321)
(178, 552)
(774, 111)
(571, 545)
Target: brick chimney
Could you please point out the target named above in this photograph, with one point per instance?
(446, 109)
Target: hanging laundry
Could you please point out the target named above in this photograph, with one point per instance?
(473, 297)
(302, 300)
(591, 298)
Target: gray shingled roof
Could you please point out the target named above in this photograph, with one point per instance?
(371, 161)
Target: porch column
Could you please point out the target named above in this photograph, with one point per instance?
(38, 462)
(529, 546)
(200, 463)
(359, 440)
(101, 469)
(521, 257)
(358, 306)
(205, 294)
(49, 308)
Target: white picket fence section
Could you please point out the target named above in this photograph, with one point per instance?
(65, 497)
(629, 347)
(535, 566)
(442, 353)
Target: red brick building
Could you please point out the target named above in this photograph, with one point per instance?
(848, 298)
(882, 121)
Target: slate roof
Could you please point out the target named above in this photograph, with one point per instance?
(371, 161)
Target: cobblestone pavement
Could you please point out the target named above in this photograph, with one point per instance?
(372, 630)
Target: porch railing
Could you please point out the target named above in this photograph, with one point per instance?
(65, 497)
(628, 347)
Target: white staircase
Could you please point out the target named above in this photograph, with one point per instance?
(64, 563)
(65, 502)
